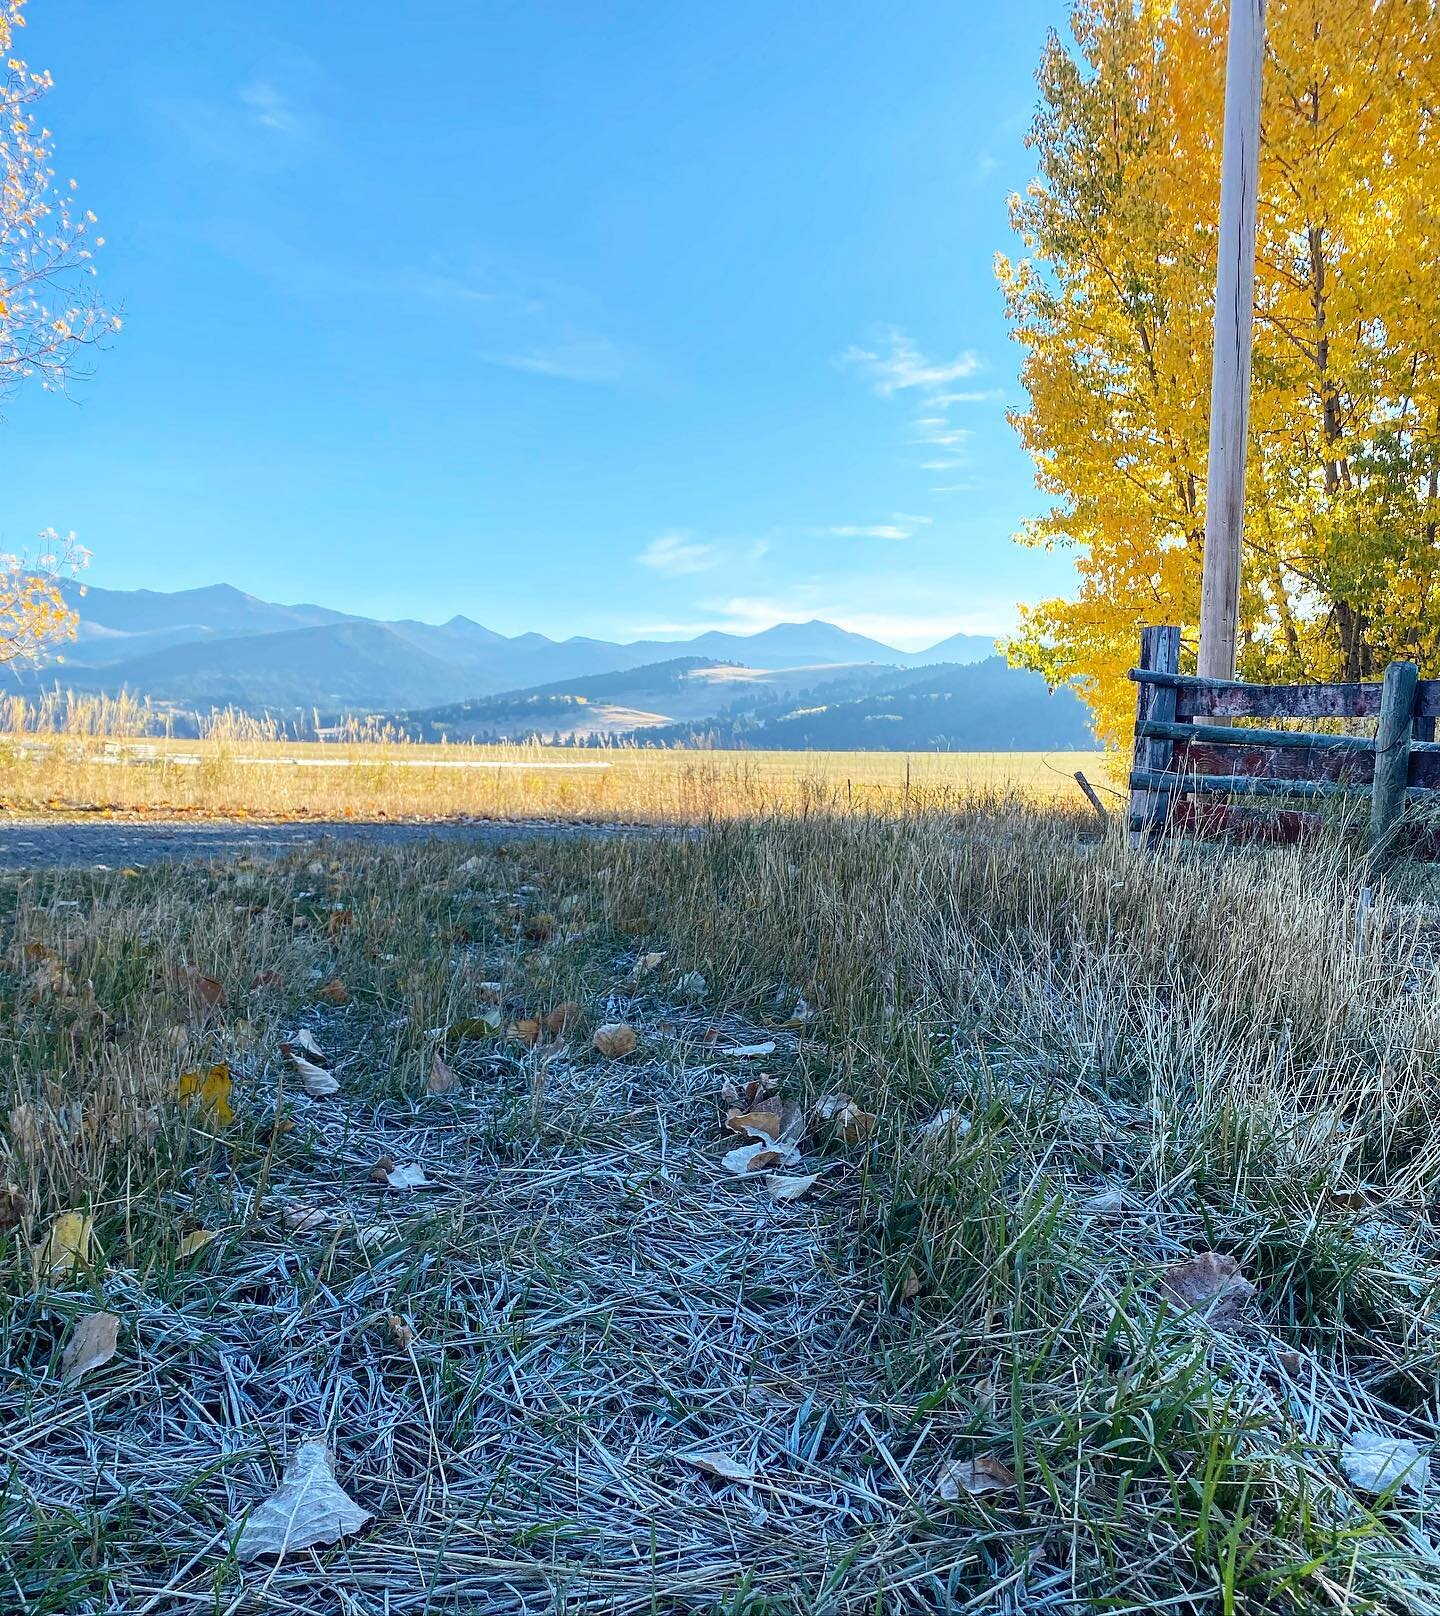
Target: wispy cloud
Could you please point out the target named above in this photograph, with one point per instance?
(897, 366)
(911, 630)
(899, 526)
(575, 359)
(272, 109)
(677, 555)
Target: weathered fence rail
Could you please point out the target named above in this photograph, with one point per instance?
(1180, 758)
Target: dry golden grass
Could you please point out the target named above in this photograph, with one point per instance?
(234, 773)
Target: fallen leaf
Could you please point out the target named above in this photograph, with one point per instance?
(267, 981)
(400, 1332)
(305, 1042)
(975, 1477)
(471, 1027)
(758, 1124)
(308, 1507)
(716, 1462)
(333, 992)
(845, 1117)
(945, 1127)
(1375, 1463)
(211, 1087)
(205, 994)
(68, 1243)
(307, 1219)
(910, 1286)
(526, 1031)
(13, 1206)
(615, 1039)
(408, 1177)
(647, 963)
(92, 1344)
(196, 1240)
(791, 1186)
(314, 1079)
(337, 920)
(737, 1050)
(564, 1018)
(759, 1157)
(692, 985)
(1209, 1284)
(443, 1078)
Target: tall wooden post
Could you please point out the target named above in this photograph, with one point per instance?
(1392, 757)
(1230, 366)
(1149, 810)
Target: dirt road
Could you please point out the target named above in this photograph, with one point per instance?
(57, 844)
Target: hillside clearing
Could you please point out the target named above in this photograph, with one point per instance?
(563, 1358)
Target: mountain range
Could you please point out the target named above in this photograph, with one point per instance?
(794, 686)
(217, 646)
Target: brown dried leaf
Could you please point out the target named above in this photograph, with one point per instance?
(526, 1031)
(333, 992)
(716, 1462)
(13, 1206)
(564, 1018)
(92, 1344)
(615, 1039)
(1209, 1284)
(755, 1158)
(975, 1477)
(443, 1078)
(203, 994)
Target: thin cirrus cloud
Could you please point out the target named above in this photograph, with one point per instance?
(676, 555)
(900, 525)
(898, 366)
(576, 359)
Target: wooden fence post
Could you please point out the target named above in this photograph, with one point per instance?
(1149, 810)
(1392, 755)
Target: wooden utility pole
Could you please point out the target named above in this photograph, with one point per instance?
(1230, 367)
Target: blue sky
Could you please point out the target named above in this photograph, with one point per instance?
(609, 319)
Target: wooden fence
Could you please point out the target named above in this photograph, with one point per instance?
(1185, 768)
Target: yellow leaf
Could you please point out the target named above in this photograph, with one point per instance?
(68, 1243)
(196, 1240)
(211, 1088)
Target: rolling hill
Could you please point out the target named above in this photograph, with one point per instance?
(692, 701)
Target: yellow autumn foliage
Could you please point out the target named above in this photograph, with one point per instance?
(1112, 302)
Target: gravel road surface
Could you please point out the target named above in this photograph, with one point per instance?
(55, 844)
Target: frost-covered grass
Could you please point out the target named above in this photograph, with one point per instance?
(1132, 1060)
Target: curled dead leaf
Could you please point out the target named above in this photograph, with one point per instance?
(758, 1157)
(615, 1039)
(443, 1078)
(526, 1031)
(716, 1462)
(846, 1119)
(333, 992)
(564, 1018)
(204, 994)
(91, 1344)
(975, 1477)
(13, 1206)
(314, 1078)
(400, 1332)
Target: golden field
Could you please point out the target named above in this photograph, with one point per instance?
(229, 774)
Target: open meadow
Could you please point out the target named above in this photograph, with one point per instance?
(815, 1214)
(239, 768)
